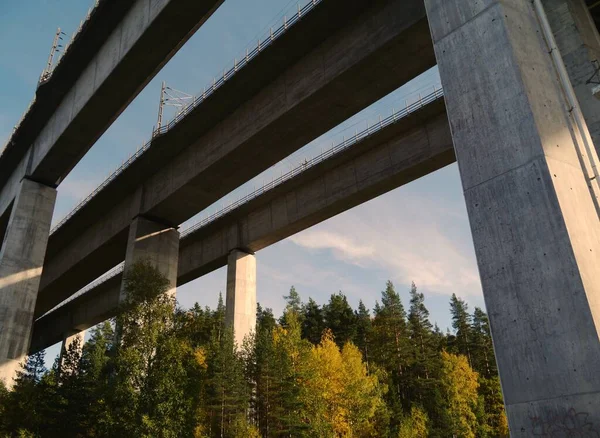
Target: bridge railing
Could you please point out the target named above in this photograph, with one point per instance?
(345, 144)
(227, 74)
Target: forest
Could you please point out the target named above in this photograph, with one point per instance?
(316, 371)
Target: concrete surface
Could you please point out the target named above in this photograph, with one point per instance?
(240, 304)
(396, 155)
(577, 38)
(21, 264)
(68, 342)
(347, 70)
(155, 243)
(535, 230)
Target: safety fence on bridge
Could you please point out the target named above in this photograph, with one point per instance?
(216, 84)
(396, 116)
(49, 69)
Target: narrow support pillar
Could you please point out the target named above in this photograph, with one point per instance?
(535, 229)
(156, 243)
(73, 339)
(579, 44)
(240, 305)
(21, 263)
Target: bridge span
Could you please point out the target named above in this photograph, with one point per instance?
(243, 128)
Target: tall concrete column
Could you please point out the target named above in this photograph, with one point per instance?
(73, 339)
(21, 263)
(156, 243)
(535, 229)
(240, 304)
(579, 44)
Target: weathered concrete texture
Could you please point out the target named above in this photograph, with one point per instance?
(155, 243)
(240, 305)
(21, 264)
(73, 339)
(535, 229)
(396, 155)
(579, 44)
(96, 84)
(346, 70)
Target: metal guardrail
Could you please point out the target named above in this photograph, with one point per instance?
(250, 55)
(345, 144)
(357, 137)
(47, 73)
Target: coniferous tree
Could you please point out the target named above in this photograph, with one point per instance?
(364, 331)
(340, 319)
(461, 322)
(313, 323)
(392, 349)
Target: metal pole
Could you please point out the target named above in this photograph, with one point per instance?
(161, 104)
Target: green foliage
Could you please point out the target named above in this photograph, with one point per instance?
(318, 371)
(414, 425)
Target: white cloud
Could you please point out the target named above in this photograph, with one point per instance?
(411, 237)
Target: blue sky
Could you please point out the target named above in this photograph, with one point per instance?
(418, 233)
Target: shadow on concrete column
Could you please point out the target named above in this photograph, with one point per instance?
(240, 305)
(156, 243)
(579, 44)
(21, 264)
(535, 229)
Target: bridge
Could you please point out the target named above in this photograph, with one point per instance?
(518, 114)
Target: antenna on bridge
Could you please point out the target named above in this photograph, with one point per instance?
(172, 97)
(55, 48)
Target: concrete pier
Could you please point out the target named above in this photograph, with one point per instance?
(240, 305)
(535, 230)
(21, 264)
(157, 243)
(72, 339)
(577, 39)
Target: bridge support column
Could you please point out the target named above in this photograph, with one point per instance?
(240, 304)
(535, 229)
(74, 339)
(21, 263)
(156, 243)
(579, 44)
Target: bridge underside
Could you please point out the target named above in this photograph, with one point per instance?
(399, 153)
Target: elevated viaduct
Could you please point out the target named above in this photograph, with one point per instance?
(517, 79)
(274, 105)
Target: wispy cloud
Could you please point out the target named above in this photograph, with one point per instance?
(413, 239)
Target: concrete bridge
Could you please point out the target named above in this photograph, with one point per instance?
(518, 115)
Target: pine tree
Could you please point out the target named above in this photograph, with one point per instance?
(313, 323)
(364, 331)
(421, 336)
(461, 322)
(340, 319)
(392, 349)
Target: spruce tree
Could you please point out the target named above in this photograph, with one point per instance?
(313, 323)
(461, 322)
(364, 331)
(340, 319)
